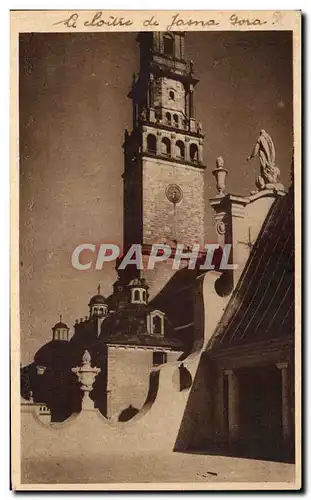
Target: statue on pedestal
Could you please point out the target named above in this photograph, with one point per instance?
(269, 172)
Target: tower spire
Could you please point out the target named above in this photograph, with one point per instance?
(164, 151)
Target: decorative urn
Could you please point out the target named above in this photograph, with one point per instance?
(86, 375)
(220, 174)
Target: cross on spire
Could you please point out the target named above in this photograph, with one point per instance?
(98, 289)
(60, 318)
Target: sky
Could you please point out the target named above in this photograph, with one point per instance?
(73, 113)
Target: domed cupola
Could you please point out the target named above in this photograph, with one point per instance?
(98, 305)
(60, 330)
(138, 288)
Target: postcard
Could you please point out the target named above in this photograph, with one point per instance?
(155, 250)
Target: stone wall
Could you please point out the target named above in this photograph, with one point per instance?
(84, 435)
(128, 378)
(159, 221)
(162, 95)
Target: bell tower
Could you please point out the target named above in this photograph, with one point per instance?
(164, 167)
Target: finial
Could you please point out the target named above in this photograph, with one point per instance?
(60, 318)
(86, 359)
(220, 162)
(220, 175)
(98, 289)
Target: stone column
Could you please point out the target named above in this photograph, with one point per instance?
(285, 400)
(187, 148)
(230, 227)
(200, 152)
(173, 145)
(151, 91)
(219, 415)
(191, 110)
(233, 405)
(144, 139)
(159, 141)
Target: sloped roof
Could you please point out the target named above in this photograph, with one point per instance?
(262, 306)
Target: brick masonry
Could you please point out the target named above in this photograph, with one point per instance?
(159, 222)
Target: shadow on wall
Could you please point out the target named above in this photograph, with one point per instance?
(182, 379)
(128, 413)
(133, 414)
(196, 422)
(180, 299)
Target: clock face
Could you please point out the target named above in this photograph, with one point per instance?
(173, 193)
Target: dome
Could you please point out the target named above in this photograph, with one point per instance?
(60, 324)
(138, 282)
(97, 299)
(130, 326)
(53, 353)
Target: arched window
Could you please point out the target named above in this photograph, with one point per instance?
(171, 95)
(168, 118)
(157, 325)
(180, 149)
(166, 146)
(176, 120)
(168, 44)
(144, 296)
(151, 144)
(136, 296)
(193, 152)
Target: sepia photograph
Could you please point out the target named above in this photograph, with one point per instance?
(158, 300)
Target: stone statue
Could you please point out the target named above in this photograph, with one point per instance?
(269, 172)
(143, 114)
(191, 65)
(199, 128)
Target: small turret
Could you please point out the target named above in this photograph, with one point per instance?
(138, 289)
(98, 305)
(60, 330)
